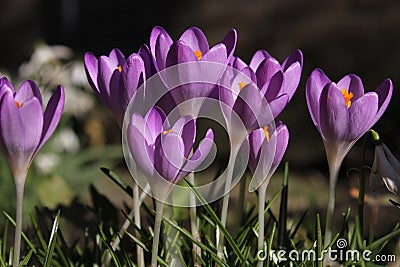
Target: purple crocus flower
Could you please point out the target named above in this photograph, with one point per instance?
(277, 82)
(24, 128)
(264, 146)
(194, 80)
(342, 112)
(163, 152)
(115, 78)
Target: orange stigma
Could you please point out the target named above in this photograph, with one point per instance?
(198, 54)
(242, 85)
(347, 97)
(119, 68)
(266, 133)
(169, 131)
(19, 105)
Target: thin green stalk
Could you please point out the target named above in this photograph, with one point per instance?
(136, 208)
(157, 230)
(261, 217)
(19, 186)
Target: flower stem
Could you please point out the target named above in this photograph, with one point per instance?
(261, 218)
(136, 208)
(333, 177)
(157, 230)
(193, 223)
(19, 186)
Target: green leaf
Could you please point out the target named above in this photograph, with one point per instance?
(52, 241)
(117, 180)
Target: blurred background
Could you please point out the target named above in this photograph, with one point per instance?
(45, 40)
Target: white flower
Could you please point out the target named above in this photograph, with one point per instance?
(385, 168)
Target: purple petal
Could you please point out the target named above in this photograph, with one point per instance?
(27, 91)
(148, 60)
(272, 88)
(278, 105)
(257, 58)
(52, 114)
(296, 57)
(116, 57)
(155, 119)
(334, 117)
(266, 70)
(168, 155)
(216, 54)
(186, 128)
(195, 39)
(361, 115)
(314, 86)
(229, 41)
(132, 77)
(353, 84)
(282, 140)
(384, 92)
(180, 52)
(238, 63)
(91, 69)
(6, 87)
(141, 151)
(159, 39)
(292, 67)
(256, 139)
(106, 70)
(199, 155)
(21, 129)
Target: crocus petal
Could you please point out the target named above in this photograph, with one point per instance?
(21, 129)
(237, 63)
(273, 86)
(116, 57)
(277, 105)
(195, 39)
(168, 155)
(199, 155)
(266, 69)
(294, 58)
(216, 54)
(314, 86)
(180, 52)
(282, 140)
(256, 139)
(155, 119)
(292, 68)
(148, 60)
(27, 91)
(91, 69)
(257, 58)
(159, 41)
(334, 118)
(106, 70)
(186, 128)
(229, 41)
(353, 84)
(132, 76)
(361, 115)
(52, 115)
(384, 92)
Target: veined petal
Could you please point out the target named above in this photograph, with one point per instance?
(141, 151)
(229, 41)
(132, 77)
(384, 92)
(155, 120)
(106, 70)
(278, 104)
(6, 87)
(159, 39)
(91, 68)
(116, 57)
(315, 83)
(267, 68)
(334, 117)
(195, 39)
(186, 128)
(199, 155)
(293, 59)
(52, 115)
(273, 87)
(180, 52)
(257, 58)
(148, 60)
(168, 155)
(27, 91)
(353, 84)
(216, 54)
(361, 115)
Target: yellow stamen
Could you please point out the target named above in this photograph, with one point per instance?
(266, 133)
(19, 105)
(119, 68)
(168, 131)
(198, 54)
(347, 97)
(241, 85)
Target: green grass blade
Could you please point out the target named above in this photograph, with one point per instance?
(52, 241)
(117, 180)
(28, 242)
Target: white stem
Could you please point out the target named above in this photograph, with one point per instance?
(157, 230)
(19, 186)
(333, 177)
(193, 223)
(136, 208)
(261, 207)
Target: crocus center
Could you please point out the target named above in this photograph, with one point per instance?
(347, 97)
(266, 132)
(242, 85)
(119, 68)
(168, 131)
(18, 104)
(198, 54)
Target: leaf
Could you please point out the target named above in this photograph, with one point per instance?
(117, 180)
(52, 241)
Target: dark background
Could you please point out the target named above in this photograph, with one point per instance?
(341, 37)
